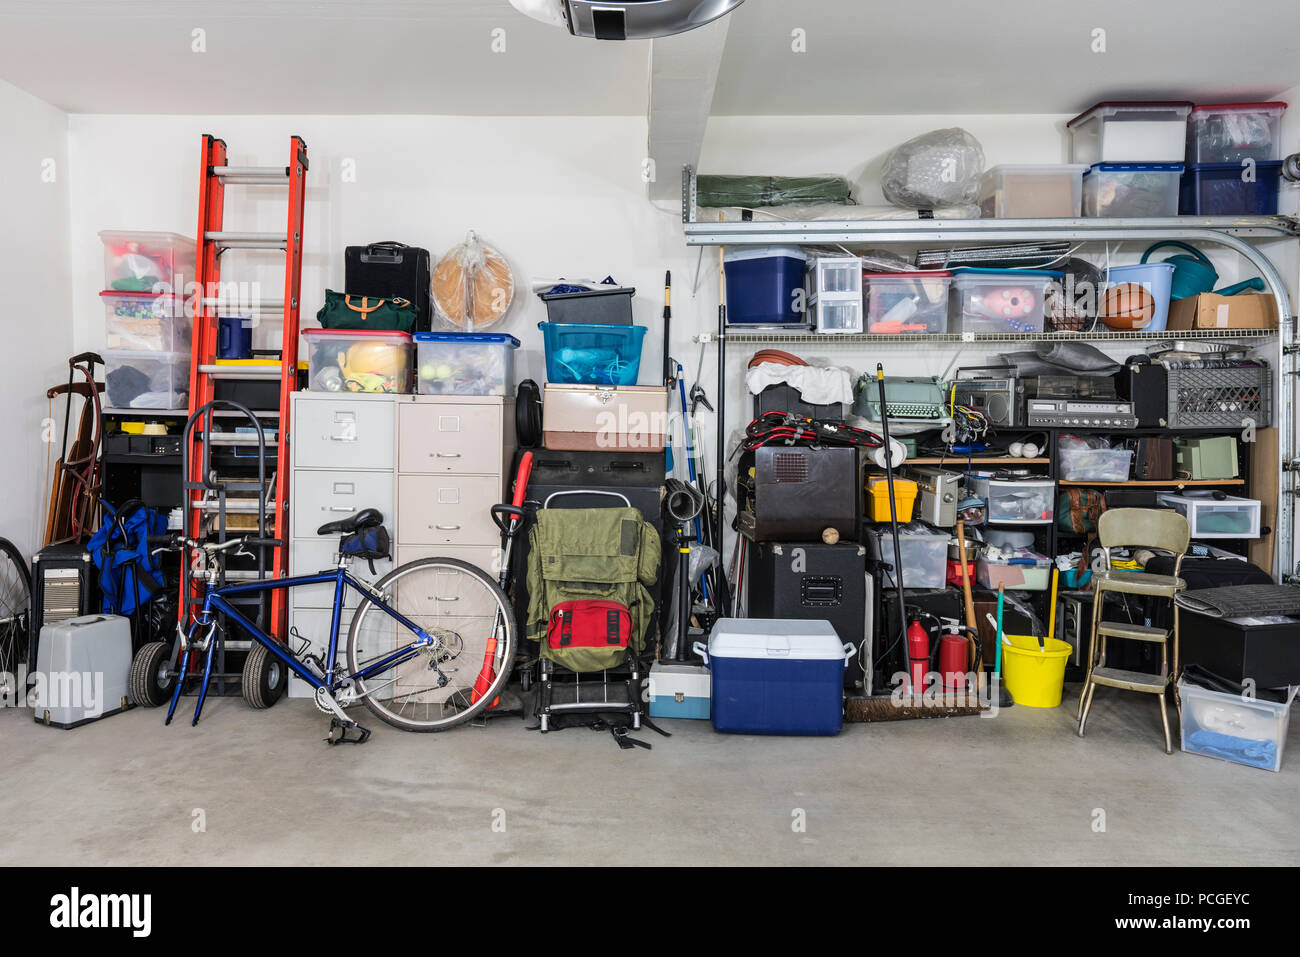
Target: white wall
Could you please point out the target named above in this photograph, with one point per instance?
(34, 267)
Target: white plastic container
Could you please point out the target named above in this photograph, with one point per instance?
(138, 261)
(1233, 132)
(899, 303)
(144, 322)
(1132, 190)
(1029, 191)
(1014, 574)
(1148, 131)
(1015, 501)
(147, 380)
(1000, 301)
(1232, 728)
(1229, 517)
(835, 294)
(347, 360)
(85, 663)
(460, 363)
(924, 554)
(1096, 465)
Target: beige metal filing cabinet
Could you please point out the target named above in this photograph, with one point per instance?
(453, 456)
(343, 449)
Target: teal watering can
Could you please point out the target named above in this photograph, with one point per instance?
(1195, 274)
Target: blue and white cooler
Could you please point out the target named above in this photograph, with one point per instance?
(776, 676)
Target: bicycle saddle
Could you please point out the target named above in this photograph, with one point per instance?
(366, 518)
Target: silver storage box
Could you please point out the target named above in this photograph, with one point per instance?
(82, 668)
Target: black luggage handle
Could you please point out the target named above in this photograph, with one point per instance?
(388, 251)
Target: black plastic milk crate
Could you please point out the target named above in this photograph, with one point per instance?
(1203, 397)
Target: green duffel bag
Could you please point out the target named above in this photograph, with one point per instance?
(368, 313)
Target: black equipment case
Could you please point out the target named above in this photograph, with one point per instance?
(796, 492)
(391, 270)
(1265, 650)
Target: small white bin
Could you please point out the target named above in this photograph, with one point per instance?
(1015, 501)
(1232, 728)
(147, 380)
(1208, 517)
(1096, 465)
(1149, 131)
(835, 294)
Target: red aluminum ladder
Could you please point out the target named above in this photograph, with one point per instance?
(213, 240)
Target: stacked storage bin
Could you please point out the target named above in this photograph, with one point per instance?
(1233, 160)
(147, 322)
(1134, 151)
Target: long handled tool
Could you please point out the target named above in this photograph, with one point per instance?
(507, 518)
(893, 509)
(971, 621)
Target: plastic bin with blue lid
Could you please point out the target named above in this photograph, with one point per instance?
(776, 676)
(580, 353)
(765, 286)
(464, 363)
(1247, 188)
(1131, 190)
(1000, 301)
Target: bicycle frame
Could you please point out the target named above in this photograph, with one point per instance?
(215, 600)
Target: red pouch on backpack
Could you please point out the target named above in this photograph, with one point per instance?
(589, 624)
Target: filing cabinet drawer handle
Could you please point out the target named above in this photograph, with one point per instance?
(445, 455)
(338, 508)
(342, 438)
(448, 598)
(445, 528)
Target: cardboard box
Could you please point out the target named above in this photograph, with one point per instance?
(1207, 311)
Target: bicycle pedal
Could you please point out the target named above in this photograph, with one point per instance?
(342, 727)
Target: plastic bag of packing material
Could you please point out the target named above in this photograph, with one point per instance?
(758, 191)
(939, 168)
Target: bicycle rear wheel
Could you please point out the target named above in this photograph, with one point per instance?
(15, 612)
(467, 612)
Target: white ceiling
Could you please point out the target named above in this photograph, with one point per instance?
(436, 56)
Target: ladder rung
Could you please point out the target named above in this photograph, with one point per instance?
(261, 304)
(247, 240)
(240, 507)
(218, 371)
(265, 171)
(235, 413)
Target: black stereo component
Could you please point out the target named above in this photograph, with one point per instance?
(1079, 413)
(1146, 386)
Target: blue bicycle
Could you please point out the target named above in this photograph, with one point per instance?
(430, 645)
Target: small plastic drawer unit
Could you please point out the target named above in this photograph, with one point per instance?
(1232, 132)
(136, 261)
(145, 322)
(1211, 517)
(1148, 131)
(458, 363)
(1024, 191)
(350, 360)
(777, 676)
(1001, 301)
(1132, 190)
(1249, 731)
(1015, 501)
(907, 302)
(835, 294)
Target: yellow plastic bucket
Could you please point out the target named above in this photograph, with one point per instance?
(1034, 677)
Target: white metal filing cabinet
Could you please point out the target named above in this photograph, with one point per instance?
(343, 450)
(453, 456)
(433, 465)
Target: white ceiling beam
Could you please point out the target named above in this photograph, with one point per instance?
(683, 74)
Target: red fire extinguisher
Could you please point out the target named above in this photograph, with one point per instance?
(954, 656)
(918, 651)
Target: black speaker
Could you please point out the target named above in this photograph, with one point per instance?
(812, 580)
(1146, 385)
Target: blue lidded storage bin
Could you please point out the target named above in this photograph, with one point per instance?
(777, 676)
(1219, 189)
(464, 363)
(582, 353)
(764, 286)
(1155, 278)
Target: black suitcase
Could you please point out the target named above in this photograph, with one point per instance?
(1265, 650)
(390, 270)
(786, 398)
(812, 580)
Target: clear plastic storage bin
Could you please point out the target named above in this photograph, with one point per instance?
(137, 261)
(1096, 465)
(924, 554)
(458, 363)
(899, 303)
(1024, 191)
(1232, 132)
(144, 322)
(146, 380)
(999, 301)
(1132, 190)
(1026, 572)
(349, 360)
(1210, 517)
(1233, 728)
(581, 353)
(1147, 131)
(1015, 501)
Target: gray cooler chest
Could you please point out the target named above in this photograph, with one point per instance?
(72, 656)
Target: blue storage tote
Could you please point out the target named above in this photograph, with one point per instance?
(765, 286)
(777, 676)
(1155, 278)
(1219, 189)
(583, 353)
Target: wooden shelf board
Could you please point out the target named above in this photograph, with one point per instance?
(1155, 483)
(975, 460)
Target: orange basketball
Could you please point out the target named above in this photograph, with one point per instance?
(1127, 307)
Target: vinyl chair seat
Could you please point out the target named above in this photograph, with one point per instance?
(1138, 583)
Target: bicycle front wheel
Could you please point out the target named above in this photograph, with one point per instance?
(434, 689)
(15, 609)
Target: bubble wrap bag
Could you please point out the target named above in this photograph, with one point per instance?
(939, 168)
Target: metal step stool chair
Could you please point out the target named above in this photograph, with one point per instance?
(1135, 528)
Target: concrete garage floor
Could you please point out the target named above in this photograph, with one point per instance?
(1021, 788)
